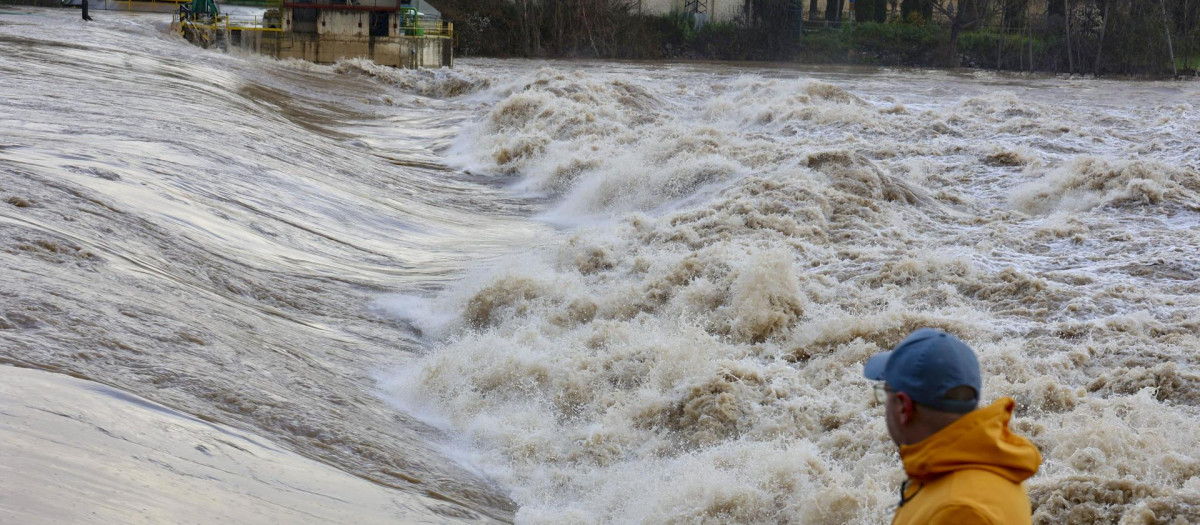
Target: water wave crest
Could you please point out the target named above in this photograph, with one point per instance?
(696, 357)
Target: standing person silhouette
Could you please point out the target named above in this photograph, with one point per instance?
(85, 15)
(964, 466)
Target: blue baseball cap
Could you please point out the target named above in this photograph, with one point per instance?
(926, 365)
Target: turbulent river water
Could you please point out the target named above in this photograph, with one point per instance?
(591, 292)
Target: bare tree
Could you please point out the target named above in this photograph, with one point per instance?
(1100, 43)
(1014, 13)
(963, 15)
(529, 21)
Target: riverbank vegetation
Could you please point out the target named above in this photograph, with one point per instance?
(1101, 37)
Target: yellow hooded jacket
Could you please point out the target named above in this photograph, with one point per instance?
(969, 472)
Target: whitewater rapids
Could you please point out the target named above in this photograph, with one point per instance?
(590, 292)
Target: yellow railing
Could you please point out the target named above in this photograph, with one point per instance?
(225, 23)
(438, 29)
(153, 3)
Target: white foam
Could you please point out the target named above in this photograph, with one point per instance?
(696, 356)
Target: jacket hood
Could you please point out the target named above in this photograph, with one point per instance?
(978, 440)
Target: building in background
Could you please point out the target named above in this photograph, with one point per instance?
(401, 33)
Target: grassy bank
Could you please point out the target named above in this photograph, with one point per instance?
(873, 43)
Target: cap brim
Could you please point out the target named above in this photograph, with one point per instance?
(873, 369)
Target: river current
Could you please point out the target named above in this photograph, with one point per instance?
(594, 292)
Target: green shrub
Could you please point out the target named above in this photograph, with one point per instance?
(873, 43)
(1000, 51)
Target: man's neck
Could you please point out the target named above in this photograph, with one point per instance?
(927, 423)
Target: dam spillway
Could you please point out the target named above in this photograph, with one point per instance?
(575, 291)
(387, 32)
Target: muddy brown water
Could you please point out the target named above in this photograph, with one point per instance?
(561, 291)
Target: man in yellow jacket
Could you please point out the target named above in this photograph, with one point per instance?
(964, 465)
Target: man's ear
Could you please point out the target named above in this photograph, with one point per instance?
(906, 407)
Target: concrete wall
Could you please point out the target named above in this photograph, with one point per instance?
(727, 10)
(400, 52)
(346, 23)
(718, 10)
(342, 23)
(346, 34)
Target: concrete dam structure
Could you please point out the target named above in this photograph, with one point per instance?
(400, 33)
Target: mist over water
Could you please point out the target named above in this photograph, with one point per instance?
(609, 292)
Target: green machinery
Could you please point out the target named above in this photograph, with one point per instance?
(199, 10)
(409, 22)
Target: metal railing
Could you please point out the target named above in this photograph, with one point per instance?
(226, 22)
(153, 3)
(429, 28)
(199, 24)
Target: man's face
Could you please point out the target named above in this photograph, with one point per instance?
(891, 414)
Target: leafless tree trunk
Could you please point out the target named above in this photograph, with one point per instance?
(1029, 25)
(526, 26)
(587, 26)
(1170, 46)
(963, 18)
(1067, 24)
(1100, 45)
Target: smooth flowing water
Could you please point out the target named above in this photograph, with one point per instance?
(587, 292)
